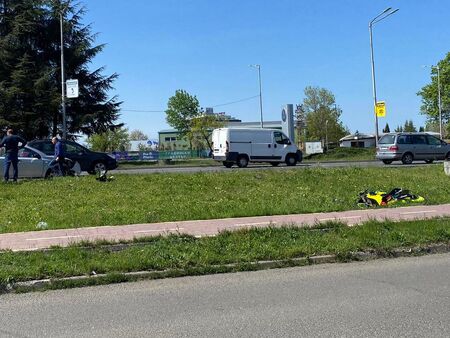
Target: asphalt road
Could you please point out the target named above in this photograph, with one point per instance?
(302, 165)
(407, 297)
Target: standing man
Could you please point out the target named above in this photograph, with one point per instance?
(11, 143)
(59, 155)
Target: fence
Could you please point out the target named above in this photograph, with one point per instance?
(159, 155)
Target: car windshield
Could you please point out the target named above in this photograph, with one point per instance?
(387, 139)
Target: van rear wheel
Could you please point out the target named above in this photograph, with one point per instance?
(242, 161)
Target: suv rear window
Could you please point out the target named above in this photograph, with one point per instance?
(387, 139)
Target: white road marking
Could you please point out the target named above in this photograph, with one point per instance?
(418, 212)
(252, 224)
(47, 238)
(338, 218)
(156, 230)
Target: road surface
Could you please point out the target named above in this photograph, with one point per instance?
(406, 297)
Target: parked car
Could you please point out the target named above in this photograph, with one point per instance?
(32, 163)
(90, 161)
(409, 147)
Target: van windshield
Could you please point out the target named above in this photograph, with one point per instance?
(387, 139)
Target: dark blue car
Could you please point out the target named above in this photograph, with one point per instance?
(90, 161)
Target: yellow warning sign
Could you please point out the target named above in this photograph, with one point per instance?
(380, 109)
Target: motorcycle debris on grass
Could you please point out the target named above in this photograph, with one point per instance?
(369, 198)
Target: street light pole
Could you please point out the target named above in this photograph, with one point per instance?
(383, 15)
(63, 83)
(326, 135)
(260, 92)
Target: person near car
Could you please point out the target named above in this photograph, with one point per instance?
(59, 155)
(12, 144)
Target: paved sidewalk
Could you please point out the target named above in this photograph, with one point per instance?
(35, 240)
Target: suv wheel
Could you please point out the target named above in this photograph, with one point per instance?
(407, 158)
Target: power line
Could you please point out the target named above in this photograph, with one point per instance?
(233, 102)
(217, 105)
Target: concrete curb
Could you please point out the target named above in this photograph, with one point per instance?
(102, 279)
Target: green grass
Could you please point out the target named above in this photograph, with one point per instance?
(79, 202)
(206, 254)
(344, 154)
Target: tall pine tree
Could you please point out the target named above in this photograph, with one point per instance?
(30, 70)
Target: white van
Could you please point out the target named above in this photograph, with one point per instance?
(240, 146)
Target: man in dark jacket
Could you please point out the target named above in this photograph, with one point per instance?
(11, 143)
(59, 155)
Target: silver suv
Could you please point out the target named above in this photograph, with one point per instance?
(409, 147)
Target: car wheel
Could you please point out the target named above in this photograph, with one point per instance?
(49, 174)
(291, 160)
(98, 166)
(429, 161)
(228, 164)
(274, 164)
(387, 161)
(242, 161)
(407, 158)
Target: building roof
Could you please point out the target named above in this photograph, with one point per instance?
(235, 124)
(357, 136)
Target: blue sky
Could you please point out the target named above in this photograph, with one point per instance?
(206, 46)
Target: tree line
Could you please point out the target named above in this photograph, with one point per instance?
(30, 71)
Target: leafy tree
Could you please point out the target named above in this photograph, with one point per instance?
(409, 126)
(30, 70)
(386, 129)
(184, 114)
(110, 140)
(181, 109)
(322, 115)
(429, 93)
(138, 135)
(202, 126)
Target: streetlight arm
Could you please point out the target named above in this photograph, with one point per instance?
(380, 16)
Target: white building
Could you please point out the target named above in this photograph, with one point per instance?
(358, 140)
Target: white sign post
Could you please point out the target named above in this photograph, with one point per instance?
(72, 89)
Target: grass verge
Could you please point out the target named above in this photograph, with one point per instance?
(179, 255)
(344, 154)
(72, 202)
